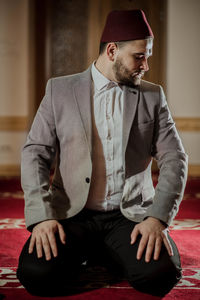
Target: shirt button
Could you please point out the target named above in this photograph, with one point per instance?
(108, 197)
(87, 179)
(109, 158)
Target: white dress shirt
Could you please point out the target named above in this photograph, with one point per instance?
(107, 180)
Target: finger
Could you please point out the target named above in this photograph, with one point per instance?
(158, 246)
(52, 243)
(46, 247)
(150, 248)
(31, 245)
(134, 235)
(38, 247)
(167, 244)
(62, 234)
(142, 245)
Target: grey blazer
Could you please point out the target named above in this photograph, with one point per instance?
(62, 129)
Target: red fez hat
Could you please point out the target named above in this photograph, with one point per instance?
(126, 25)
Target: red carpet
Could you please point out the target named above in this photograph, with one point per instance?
(185, 231)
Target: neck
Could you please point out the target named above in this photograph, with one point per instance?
(105, 68)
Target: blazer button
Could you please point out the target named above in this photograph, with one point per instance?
(87, 180)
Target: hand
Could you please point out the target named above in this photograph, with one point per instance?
(43, 236)
(153, 235)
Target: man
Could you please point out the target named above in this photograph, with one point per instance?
(104, 126)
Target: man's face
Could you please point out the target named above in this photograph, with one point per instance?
(131, 61)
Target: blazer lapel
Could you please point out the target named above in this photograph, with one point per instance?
(131, 98)
(82, 92)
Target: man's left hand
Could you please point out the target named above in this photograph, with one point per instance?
(153, 234)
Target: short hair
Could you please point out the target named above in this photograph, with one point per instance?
(102, 46)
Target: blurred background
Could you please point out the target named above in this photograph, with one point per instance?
(40, 39)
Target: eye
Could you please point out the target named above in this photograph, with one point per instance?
(138, 57)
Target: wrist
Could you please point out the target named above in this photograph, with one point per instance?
(153, 218)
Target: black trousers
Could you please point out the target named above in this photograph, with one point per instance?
(101, 237)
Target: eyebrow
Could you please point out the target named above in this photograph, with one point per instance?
(139, 53)
(143, 53)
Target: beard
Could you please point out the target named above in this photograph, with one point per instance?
(126, 77)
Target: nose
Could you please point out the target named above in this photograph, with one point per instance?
(144, 65)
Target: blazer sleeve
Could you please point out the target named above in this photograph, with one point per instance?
(37, 156)
(172, 161)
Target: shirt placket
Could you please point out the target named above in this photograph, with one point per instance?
(109, 147)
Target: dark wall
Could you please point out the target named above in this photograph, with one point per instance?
(68, 36)
(59, 40)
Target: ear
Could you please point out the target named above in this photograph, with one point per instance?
(111, 51)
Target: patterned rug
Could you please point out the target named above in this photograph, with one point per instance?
(96, 283)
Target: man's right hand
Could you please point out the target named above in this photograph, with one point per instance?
(43, 237)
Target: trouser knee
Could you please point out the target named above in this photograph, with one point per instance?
(44, 278)
(157, 283)
(46, 281)
(37, 280)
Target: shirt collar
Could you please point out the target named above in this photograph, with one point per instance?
(100, 81)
